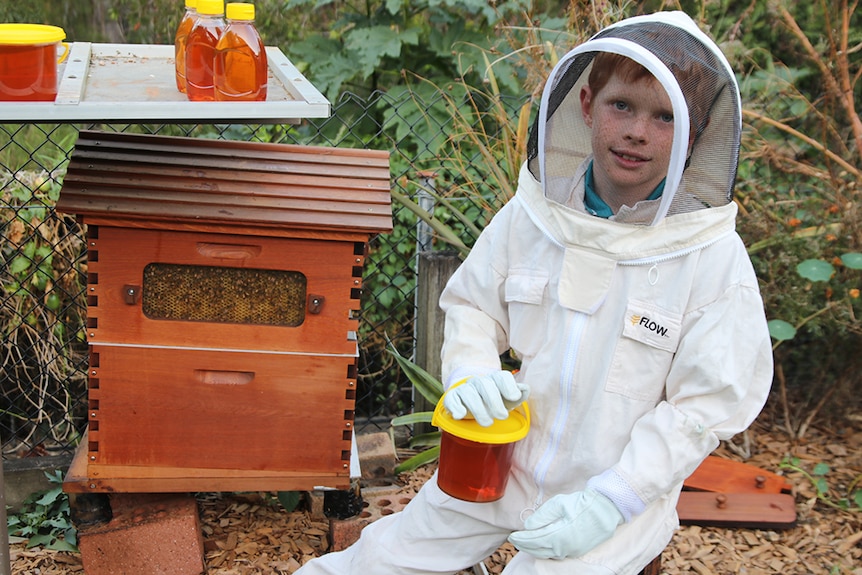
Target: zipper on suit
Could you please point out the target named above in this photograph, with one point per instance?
(567, 373)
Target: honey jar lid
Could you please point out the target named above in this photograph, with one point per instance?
(240, 11)
(30, 34)
(509, 430)
(210, 7)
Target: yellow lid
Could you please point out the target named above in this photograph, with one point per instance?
(240, 11)
(191, 3)
(30, 34)
(210, 7)
(509, 430)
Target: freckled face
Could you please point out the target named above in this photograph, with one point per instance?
(632, 136)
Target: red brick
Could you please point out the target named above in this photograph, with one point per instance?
(149, 534)
(376, 503)
(377, 455)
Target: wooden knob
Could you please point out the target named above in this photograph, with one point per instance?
(760, 482)
(721, 501)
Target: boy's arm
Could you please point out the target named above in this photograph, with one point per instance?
(477, 325)
(719, 382)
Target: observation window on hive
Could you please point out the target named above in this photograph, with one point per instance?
(224, 295)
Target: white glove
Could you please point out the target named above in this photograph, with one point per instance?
(568, 525)
(486, 397)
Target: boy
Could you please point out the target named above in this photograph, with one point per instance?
(616, 276)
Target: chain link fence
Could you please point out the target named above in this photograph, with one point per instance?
(43, 267)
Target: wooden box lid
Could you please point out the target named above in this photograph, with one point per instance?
(250, 185)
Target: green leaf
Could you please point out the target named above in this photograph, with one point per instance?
(19, 265)
(413, 418)
(289, 499)
(418, 460)
(820, 469)
(41, 539)
(815, 270)
(781, 330)
(70, 535)
(329, 73)
(857, 498)
(799, 107)
(62, 545)
(49, 497)
(425, 383)
(60, 523)
(392, 6)
(371, 45)
(426, 439)
(852, 260)
(821, 485)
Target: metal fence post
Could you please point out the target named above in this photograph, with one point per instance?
(424, 245)
(424, 234)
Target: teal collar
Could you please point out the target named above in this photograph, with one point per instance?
(597, 206)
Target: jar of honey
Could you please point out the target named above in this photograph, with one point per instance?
(200, 50)
(180, 40)
(475, 461)
(28, 61)
(240, 57)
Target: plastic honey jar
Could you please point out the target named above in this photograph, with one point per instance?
(200, 50)
(475, 461)
(181, 37)
(28, 61)
(240, 70)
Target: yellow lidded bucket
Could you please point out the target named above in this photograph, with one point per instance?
(28, 61)
(475, 461)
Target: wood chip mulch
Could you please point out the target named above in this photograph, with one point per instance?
(249, 534)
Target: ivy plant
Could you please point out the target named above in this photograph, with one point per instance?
(45, 518)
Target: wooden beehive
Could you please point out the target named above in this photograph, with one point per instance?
(223, 293)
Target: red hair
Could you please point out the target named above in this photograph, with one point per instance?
(606, 64)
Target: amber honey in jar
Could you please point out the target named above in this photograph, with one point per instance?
(29, 60)
(240, 58)
(200, 50)
(180, 41)
(475, 461)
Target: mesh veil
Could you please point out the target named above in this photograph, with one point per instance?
(702, 90)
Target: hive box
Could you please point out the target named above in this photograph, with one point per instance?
(223, 285)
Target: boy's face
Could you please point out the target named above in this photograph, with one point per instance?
(632, 135)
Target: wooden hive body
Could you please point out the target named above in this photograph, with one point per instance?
(223, 289)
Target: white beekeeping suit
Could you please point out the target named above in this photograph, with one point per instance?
(642, 335)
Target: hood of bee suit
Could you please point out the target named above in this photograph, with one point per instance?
(703, 92)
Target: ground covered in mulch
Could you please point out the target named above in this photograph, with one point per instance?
(250, 534)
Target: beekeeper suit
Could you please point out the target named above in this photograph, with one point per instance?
(641, 336)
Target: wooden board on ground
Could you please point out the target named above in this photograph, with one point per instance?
(746, 510)
(727, 476)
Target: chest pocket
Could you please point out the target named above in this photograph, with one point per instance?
(644, 353)
(525, 293)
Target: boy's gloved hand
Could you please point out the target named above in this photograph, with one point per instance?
(486, 397)
(568, 525)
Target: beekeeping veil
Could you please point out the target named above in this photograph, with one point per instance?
(702, 90)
